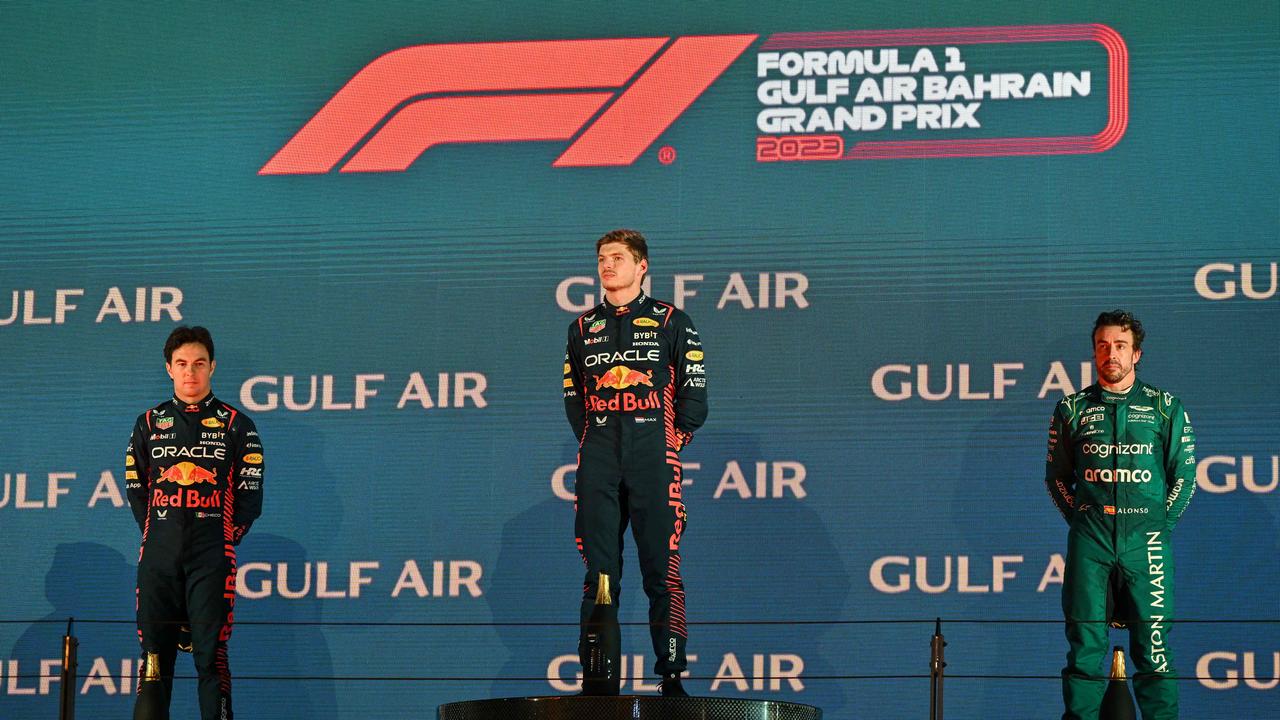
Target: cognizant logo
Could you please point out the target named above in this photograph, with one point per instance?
(1109, 449)
(615, 96)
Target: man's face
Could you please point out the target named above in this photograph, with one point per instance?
(1114, 355)
(618, 268)
(191, 370)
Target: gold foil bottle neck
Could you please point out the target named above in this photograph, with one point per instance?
(151, 667)
(1117, 664)
(602, 591)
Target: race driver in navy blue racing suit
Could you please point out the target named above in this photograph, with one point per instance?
(193, 473)
(634, 391)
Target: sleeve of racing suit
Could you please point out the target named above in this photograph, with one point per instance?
(137, 473)
(575, 408)
(690, 379)
(1179, 463)
(250, 470)
(1059, 470)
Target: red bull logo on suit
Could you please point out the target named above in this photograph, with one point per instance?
(190, 498)
(621, 377)
(187, 473)
(625, 402)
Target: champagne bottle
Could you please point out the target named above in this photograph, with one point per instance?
(602, 674)
(152, 702)
(67, 679)
(1117, 703)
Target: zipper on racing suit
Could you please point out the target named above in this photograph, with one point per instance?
(1115, 473)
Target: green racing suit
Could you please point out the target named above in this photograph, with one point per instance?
(1121, 469)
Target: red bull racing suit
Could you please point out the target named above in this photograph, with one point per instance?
(193, 473)
(635, 391)
(1121, 469)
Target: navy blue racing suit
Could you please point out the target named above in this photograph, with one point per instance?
(193, 472)
(635, 390)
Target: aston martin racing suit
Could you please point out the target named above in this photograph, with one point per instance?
(1121, 469)
(634, 392)
(194, 478)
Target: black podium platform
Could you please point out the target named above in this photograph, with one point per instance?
(626, 707)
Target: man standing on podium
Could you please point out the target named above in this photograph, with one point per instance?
(634, 392)
(193, 472)
(1121, 468)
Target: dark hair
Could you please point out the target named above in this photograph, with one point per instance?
(1122, 319)
(634, 241)
(182, 335)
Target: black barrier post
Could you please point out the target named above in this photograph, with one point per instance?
(936, 664)
(67, 699)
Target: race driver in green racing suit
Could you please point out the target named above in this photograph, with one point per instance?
(1121, 469)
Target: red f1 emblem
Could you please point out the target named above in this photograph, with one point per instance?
(510, 92)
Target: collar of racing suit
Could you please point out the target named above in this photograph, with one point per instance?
(197, 405)
(631, 307)
(1101, 394)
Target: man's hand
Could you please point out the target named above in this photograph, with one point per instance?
(683, 437)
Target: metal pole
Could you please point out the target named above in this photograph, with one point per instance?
(67, 696)
(936, 664)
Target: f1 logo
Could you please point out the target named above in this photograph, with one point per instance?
(510, 92)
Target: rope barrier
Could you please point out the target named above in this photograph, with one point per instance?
(543, 678)
(68, 675)
(477, 623)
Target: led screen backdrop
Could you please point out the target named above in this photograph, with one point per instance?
(893, 224)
